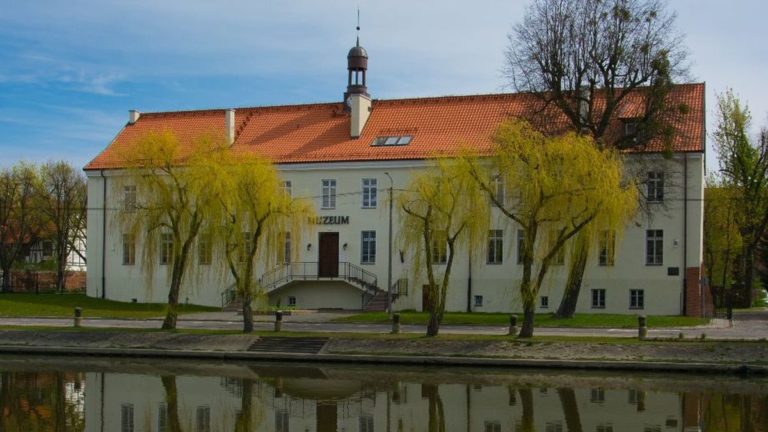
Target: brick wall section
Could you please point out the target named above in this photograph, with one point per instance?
(45, 281)
(694, 292)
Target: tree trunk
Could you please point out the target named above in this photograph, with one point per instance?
(7, 279)
(171, 314)
(570, 409)
(247, 311)
(61, 275)
(527, 423)
(244, 418)
(528, 312)
(171, 403)
(436, 411)
(575, 277)
(433, 327)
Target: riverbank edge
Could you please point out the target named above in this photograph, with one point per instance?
(413, 360)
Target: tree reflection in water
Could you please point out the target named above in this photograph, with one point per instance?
(265, 397)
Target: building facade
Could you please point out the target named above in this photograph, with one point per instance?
(349, 157)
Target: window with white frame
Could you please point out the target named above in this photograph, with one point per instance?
(329, 194)
(492, 426)
(637, 299)
(126, 417)
(520, 239)
(284, 248)
(287, 187)
(559, 258)
(166, 248)
(544, 302)
(495, 246)
(598, 298)
(498, 190)
(203, 418)
(162, 418)
(478, 301)
(654, 247)
(439, 247)
(129, 249)
(129, 198)
(368, 247)
(369, 193)
(606, 247)
(204, 251)
(655, 186)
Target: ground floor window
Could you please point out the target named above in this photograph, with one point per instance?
(292, 301)
(544, 302)
(478, 301)
(636, 299)
(598, 299)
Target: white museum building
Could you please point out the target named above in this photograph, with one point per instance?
(348, 156)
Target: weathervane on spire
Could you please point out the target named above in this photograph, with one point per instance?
(358, 26)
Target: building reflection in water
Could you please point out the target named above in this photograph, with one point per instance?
(267, 397)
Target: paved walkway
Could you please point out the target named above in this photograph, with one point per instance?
(751, 325)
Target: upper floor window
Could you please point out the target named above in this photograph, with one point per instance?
(392, 140)
(329, 194)
(129, 198)
(495, 246)
(655, 186)
(368, 247)
(520, 239)
(287, 188)
(284, 248)
(606, 246)
(439, 247)
(166, 248)
(498, 190)
(369, 193)
(204, 251)
(654, 247)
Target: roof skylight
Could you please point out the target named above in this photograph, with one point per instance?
(392, 140)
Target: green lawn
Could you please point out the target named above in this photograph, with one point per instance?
(62, 305)
(542, 320)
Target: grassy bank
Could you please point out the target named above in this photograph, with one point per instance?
(542, 320)
(62, 305)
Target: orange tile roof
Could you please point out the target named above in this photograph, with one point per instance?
(439, 125)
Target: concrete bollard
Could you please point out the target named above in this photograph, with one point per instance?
(513, 325)
(642, 328)
(78, 316)
(278, 321)
(395, 323)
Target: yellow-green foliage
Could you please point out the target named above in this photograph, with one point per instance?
(171, 198)
(722, 239)
(441, 207)
(554, 188)
(252, 212)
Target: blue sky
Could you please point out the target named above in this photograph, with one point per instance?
(70, 71)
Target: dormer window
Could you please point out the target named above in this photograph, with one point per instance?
(392, 140)
(630, 127)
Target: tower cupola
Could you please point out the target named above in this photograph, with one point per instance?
(357, 65)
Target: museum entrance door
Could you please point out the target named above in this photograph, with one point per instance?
(328, 259)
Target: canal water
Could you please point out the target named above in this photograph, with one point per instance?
(123, 395)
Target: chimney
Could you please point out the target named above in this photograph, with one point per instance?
(229, 125)
(360, 109)
(133, 116)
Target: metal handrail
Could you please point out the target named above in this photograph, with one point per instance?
(310, 270)
(228, 296)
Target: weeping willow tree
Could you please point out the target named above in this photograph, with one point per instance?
(554, 188)
(252, 215)
(165, 202)
(441, 211)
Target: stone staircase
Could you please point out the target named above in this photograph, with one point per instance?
(378, 303)
(301, 345)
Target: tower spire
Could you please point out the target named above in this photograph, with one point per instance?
(358, 26)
